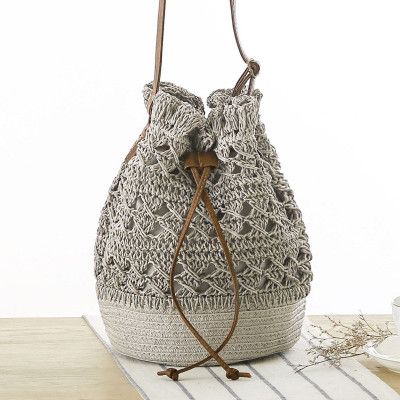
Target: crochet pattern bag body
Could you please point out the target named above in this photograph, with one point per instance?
(201, 255)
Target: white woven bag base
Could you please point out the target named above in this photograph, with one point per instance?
(162, 337)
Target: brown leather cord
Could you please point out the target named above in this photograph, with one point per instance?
(236, 32)
(133, 149)
(249, 75)
(253, 67)
(159, 51)
(200, 165)
(157, 73)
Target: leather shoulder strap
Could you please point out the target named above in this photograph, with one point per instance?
(236, 32)
(159, 45)
(252, 67)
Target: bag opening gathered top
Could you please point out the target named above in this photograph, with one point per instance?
(201, 255)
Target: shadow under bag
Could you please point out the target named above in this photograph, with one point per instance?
(201, 253)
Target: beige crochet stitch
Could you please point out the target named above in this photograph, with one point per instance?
(143, 216)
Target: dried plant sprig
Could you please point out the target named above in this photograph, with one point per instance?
(342, 341)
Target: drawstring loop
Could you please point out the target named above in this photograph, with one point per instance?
(249, 75)
(200, 165)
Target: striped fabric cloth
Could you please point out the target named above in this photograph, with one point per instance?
(273, 378)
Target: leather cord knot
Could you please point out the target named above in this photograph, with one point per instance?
(200, 165)
(233, 374)
(172, 373)
(253, 67)
(249, 75)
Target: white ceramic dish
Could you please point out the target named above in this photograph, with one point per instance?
(387, 353)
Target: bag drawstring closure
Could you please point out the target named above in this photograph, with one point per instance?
(200, 165)
(249, 74)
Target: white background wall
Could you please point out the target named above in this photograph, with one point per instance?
(71, 74)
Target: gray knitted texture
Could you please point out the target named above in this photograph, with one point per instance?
(144, 213)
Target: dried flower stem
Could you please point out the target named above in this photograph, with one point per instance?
(342, 341)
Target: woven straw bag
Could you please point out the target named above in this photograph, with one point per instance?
(201, 255)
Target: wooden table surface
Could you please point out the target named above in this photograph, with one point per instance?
(60, 358)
